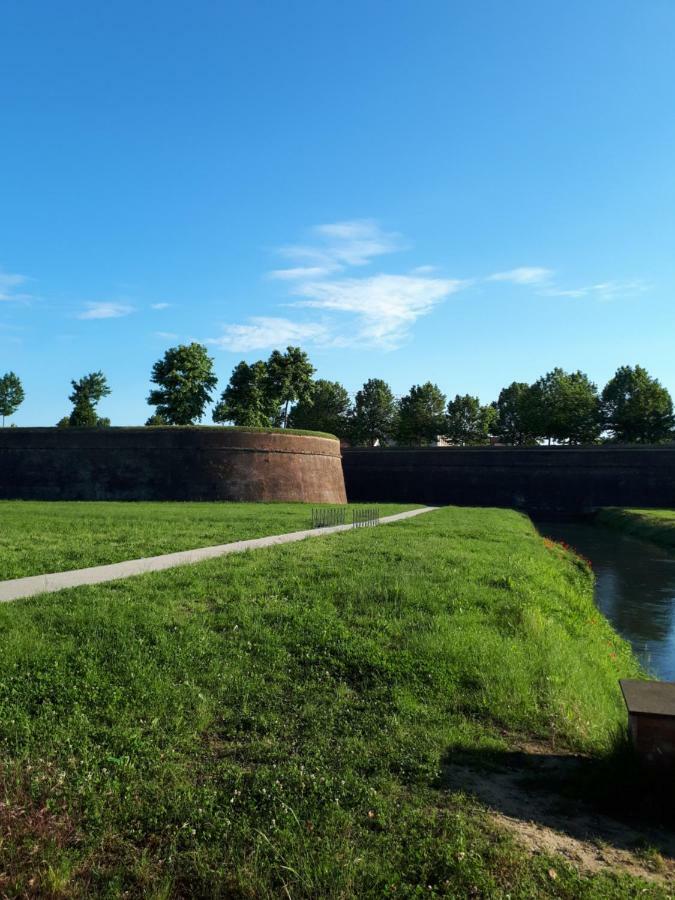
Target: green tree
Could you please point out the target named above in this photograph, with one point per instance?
(421, 417)
(327, 408)
(156, 421)
(512, 423)
(63, 422)
(375, 415)
(637, 408)
(290, 379)
(185, 380)
(489, 413)
(248, 398)
(11, 395)
(564, 407)
(467, 422)
(86, 394)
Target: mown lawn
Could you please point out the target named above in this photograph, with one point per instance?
(273, 724)
(37, 537)
(657, 525)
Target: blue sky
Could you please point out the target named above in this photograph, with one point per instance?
(468, 192)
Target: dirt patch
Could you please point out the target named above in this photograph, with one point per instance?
(31, 830)
(522, 795)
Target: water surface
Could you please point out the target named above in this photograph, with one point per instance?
(634, 588)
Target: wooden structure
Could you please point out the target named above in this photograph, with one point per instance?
(651, 719)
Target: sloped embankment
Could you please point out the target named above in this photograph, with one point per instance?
(277, 723)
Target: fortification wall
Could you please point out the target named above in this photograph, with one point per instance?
(168, 464)
(543, 481)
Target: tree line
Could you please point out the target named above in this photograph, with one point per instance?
(560, 407)
(281, 391)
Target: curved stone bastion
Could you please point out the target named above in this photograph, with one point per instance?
(198, 463)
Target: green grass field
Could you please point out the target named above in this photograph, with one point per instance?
(37, 537)
(657, 525)
(274, 724)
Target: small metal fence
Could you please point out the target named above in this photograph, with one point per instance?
(361, 517)
(327, 518)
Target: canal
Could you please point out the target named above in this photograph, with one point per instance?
(634, 588)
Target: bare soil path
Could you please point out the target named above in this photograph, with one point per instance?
(522, 794)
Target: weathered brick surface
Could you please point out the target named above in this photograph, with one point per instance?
(168, 464)
(540, 480)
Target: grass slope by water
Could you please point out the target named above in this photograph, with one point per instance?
(38, 537)
(274, 724)
(656, 525)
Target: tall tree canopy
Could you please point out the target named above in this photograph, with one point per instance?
(375, 413)
(565, 407)
(11, 395)
(637, 408)
(186, 381)
(422, 414)
(248, 398)
(85, 396)
(467, 422)
(327, 408)
(512, 425)
(290, 379)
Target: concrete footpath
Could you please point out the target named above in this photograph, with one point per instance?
(59, 581)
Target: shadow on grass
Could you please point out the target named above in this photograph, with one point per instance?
(611, 802)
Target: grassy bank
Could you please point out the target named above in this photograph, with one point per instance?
(656, 525)
(274, 724)
(37, 537)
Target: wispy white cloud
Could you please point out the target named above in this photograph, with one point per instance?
(375, 311)
(300, 272)
(604, 290)
(166, 335)
(265, 332)
(105, 310)
(336, 246)
(9, 282)
(378, 310)
(564, 292)
(160, 305)
(546, 284)
(524, 275)
(385, 306)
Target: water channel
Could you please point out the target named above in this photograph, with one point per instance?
(634, 588)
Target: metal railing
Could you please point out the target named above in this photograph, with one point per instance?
(361, 517)
(327, 518)
(366, 516)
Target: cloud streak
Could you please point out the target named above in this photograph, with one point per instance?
(372, 311)
(386, 306)
(544, 280)
(604, 290)
(375, 311)
(264, 332)
(9, 282)
(105, 311)
(527, 275)
(337, 246)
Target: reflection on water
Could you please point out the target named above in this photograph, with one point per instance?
(635, 589)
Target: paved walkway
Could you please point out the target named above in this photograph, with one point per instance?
(58, 581)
